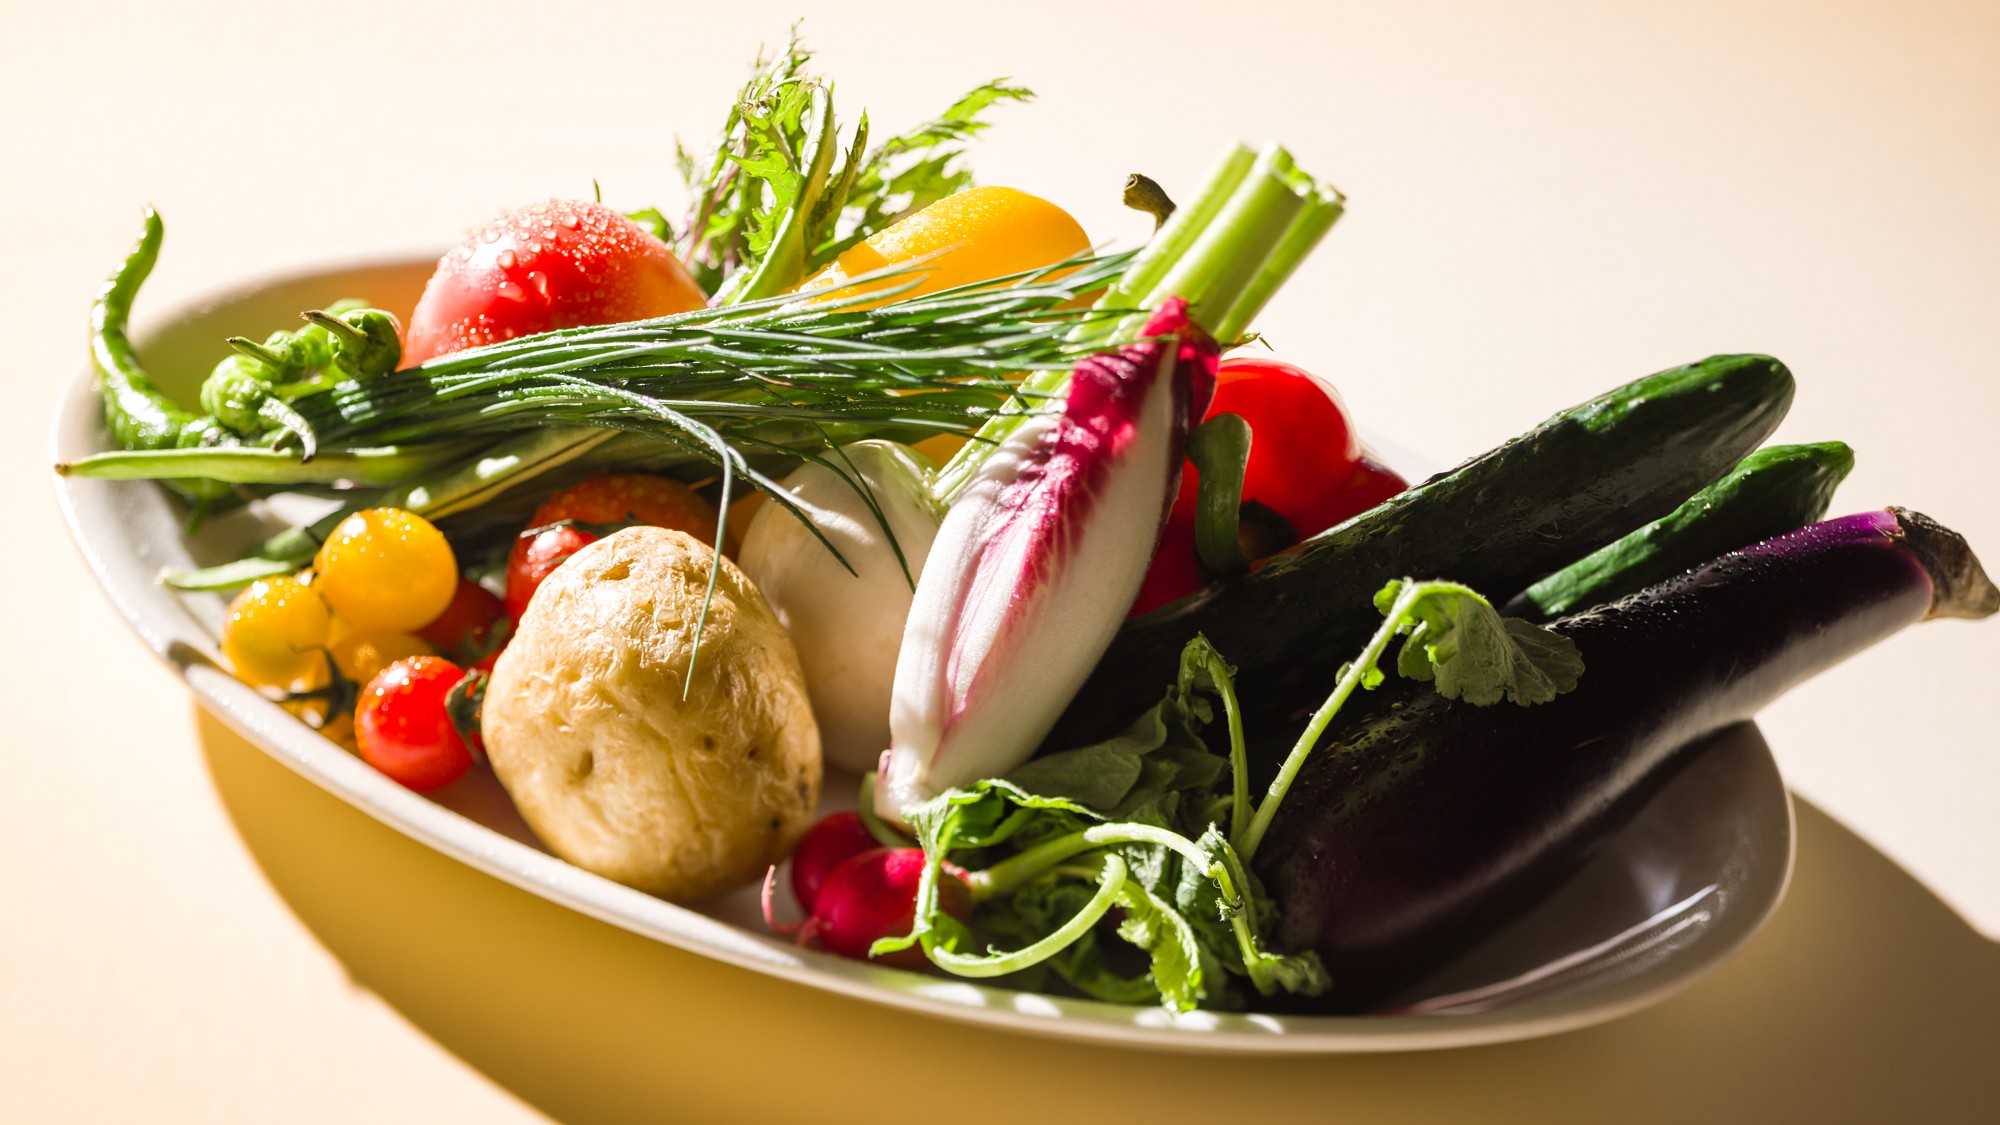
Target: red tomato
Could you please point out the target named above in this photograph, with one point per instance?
(560, 264)
(401, 726)
(534, 557)
(1306, 467)
(464, 631)
(1301, 446)
(1175, 571)
(579, 514)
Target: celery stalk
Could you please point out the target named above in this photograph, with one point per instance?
(1226, 252)
(1323, 208)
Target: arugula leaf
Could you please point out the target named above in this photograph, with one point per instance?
(978, 816)
(1127, 835)
(776, 198)
(654, 223)
(1129, 775)
(729, 200)
(913, 170)
(1129, 823)
(1088, 969)
(1475, 655)
(1168, 940)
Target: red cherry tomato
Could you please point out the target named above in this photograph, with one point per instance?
(401, 726)
(576, 516)
(1306, 467)
(560, 264)
(464, 631)
(837, 838)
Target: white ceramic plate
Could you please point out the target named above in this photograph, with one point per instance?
(1674, 894)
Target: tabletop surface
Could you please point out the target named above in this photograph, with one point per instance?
(1547, 199)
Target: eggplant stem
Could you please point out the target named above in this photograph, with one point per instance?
(1959, 585)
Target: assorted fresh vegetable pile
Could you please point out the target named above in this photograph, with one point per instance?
(1161, 689)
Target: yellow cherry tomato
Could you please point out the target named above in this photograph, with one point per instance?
(275, 635)
(386, 570)
(340, 731)
(360, 655)
(983, 233)
(940, 448)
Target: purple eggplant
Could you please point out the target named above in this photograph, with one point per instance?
(1428, 823)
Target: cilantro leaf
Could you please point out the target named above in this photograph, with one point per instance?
(1463, 645)
(1457, 641)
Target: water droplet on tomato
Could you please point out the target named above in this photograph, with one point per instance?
(505, 259)
(512, 292)
(570, 220)
(540, 281)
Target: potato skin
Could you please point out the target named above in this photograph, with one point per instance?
(586, 728)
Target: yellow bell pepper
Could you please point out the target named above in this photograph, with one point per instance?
(977, 234)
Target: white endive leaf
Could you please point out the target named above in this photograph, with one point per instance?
(1036, 565)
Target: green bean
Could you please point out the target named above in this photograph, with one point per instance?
(368, 468)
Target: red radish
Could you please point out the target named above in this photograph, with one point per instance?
(874, 895)
(837, 838)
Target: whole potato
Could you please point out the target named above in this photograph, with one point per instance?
(586, 726)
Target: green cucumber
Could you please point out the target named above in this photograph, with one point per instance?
(1770, 492)
(1498, 522)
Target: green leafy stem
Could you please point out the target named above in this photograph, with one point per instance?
(1167, 804)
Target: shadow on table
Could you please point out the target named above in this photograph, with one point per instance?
(1866, 999)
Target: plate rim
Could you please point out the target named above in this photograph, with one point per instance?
(170, 631)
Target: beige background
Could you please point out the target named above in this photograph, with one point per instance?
(1547, 198)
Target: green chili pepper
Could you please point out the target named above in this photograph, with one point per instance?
(248, 391)
(240, 395)
(138, 413)
(366, 341)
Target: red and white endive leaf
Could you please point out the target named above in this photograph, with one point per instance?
(1037, 563)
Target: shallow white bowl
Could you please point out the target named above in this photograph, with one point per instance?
(1673, 895)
